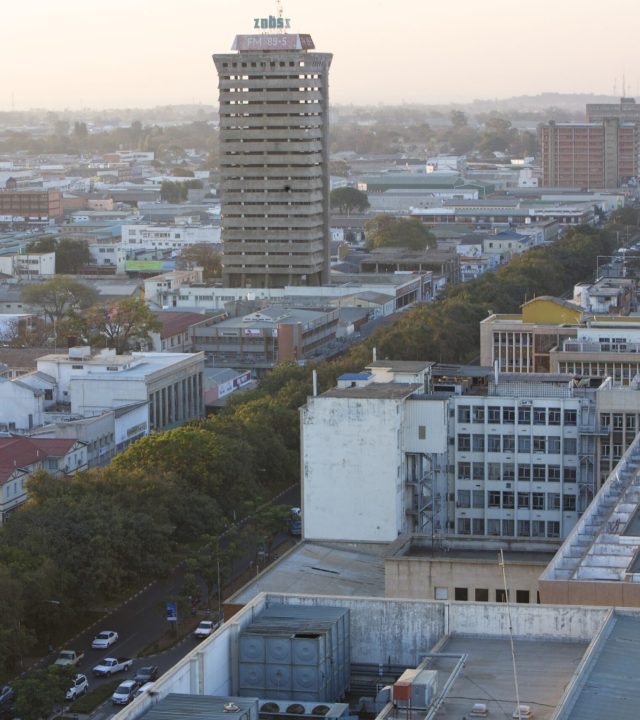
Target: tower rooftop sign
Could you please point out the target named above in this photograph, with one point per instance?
(268, 41)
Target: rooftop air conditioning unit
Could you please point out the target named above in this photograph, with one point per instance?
(479, 710)
(522, 712)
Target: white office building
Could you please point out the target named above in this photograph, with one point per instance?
(418, 448)
(29, 265)
(171, 383)
(168, 237)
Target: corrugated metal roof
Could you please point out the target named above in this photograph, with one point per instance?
(205, 707)
(610, 688)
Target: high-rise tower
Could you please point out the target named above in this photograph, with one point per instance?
(274, 164)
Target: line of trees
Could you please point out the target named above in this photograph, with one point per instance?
(71, 309)
(91, 537)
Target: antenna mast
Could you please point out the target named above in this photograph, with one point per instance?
(280, 12)
(517, 713)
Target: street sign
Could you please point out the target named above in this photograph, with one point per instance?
(172, 611)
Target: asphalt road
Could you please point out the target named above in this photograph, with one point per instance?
(141, 620)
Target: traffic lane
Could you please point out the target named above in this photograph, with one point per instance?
(141, 620)
(138, 624)
(164, 661)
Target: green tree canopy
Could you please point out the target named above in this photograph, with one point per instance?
(38, 694)
(44, 244)
(55, 298)
(204, 255)
(176, 191)
(123, 324)
(389, 231)
(348, 199)
(72, 255)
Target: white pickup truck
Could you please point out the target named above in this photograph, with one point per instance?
(111, 666)
(66, 658)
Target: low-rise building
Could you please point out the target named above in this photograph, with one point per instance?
(168, 237)
(178, 329)
(260, 340)
(183, 289)
(20, 457)
(607, 296)
(89, 383)
(29, 265)
(30, 207)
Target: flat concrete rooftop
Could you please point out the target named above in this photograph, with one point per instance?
(380, 391)
(318, 569)
(469, 554)
(544, 670)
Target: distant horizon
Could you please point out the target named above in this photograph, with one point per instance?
(433, 105)
(149, 53)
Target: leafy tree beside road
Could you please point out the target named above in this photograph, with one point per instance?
(38, 694)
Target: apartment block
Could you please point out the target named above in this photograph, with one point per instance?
(589, 155)
(30, 207)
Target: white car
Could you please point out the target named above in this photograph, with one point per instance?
(125, 692)
(79, 687)
(104, 639)
(204, 629)
(143, 689)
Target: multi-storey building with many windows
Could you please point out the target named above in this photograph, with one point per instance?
(274, 169)
(447, 450)
(589, 155)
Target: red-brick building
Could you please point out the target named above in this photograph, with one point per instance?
(30, 206)
(589, 155)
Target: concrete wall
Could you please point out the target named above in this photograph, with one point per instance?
(418, 577)
(546, 622)
(591, 592)
(19, 403)
(396, 631)
(385, 630)
(352, 469)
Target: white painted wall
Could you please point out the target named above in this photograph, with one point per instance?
(17, 402)
(132, 425)
(171, 237)
(432, 414)
(352, 469)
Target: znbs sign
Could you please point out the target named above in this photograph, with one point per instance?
(271, 23)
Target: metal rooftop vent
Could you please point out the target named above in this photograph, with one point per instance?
(479, 710)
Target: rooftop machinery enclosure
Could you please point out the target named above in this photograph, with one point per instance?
(295, 652)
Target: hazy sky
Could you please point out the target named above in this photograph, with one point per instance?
(138, 53)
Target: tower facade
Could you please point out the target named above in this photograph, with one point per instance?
(588, 155)
(274, 161)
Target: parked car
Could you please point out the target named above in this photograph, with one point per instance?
(80, 687)
(143, 689)
(7, 695)
(111, 666)
(146, 674)
(295, 522)
(125, 692)
(69, 657)
(204, 629)
(104, 639)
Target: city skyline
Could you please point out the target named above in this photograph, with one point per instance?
(146, 53)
